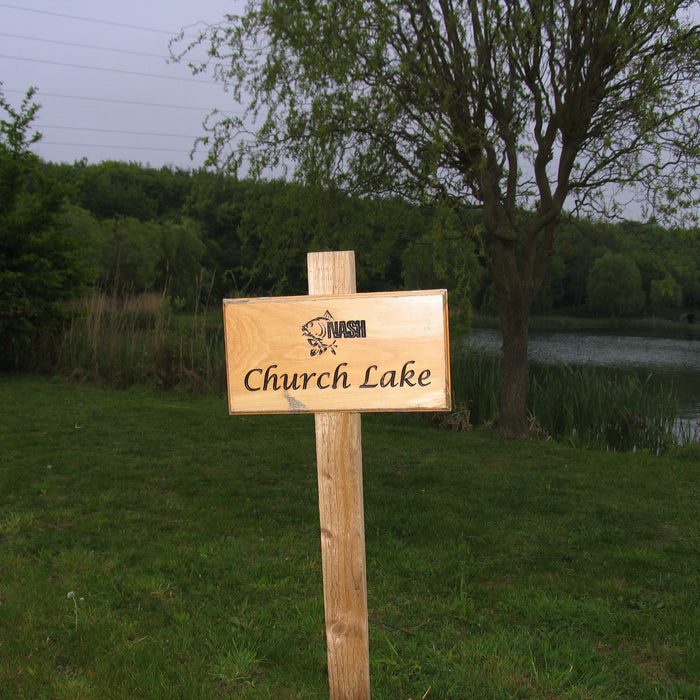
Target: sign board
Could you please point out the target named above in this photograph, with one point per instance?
(347, 352)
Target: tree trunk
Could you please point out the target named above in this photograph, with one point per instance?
(514, 304)
(513, 420)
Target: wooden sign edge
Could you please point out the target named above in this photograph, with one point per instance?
(358, 295)
(319, 297)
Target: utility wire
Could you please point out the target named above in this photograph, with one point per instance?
(115, 131)
(108, 70)
(81, 46)
(103, 69)
(87, 19)
(41, 93)
(105, 145)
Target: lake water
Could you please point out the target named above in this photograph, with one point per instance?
(673, 361)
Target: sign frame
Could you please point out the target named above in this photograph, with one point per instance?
(367, 352)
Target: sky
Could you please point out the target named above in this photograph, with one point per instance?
(105, 86)
(106, 89)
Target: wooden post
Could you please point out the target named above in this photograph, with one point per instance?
(339, 465)
(336, 353)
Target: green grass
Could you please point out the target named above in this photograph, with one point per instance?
(153, 546)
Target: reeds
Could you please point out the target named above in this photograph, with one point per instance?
(606, 409)
(122, 341)
(590, 407)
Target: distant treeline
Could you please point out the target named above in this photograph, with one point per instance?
(201, 234)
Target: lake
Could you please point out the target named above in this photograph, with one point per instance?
(675, 362)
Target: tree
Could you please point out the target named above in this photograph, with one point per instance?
(615, 285)
(40, 264)
(113, 189)
(665, 294)
(180, 265)
(217, 203)
(512, 107)
(129, 252)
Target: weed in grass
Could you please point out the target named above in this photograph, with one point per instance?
(237, 666)
(71, 596)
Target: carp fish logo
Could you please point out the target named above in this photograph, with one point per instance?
(318, 333)
(322, 332)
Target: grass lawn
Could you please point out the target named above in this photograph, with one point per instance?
(152, 546)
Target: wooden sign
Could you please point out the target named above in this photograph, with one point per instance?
(337, 353)
(352, 352)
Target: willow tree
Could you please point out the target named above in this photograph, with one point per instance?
(507, 107)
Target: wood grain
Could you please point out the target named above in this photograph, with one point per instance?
(358, 352)
(341, 509)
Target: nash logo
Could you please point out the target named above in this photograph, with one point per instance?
(321, 332)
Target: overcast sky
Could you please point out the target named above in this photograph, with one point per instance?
(105, 87)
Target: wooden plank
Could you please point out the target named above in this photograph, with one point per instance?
(341, 507)
(358, 352)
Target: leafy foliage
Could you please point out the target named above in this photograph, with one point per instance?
(665, 294)
(40, 263)
(498, 105)
(248, 238)
(113, 189)
(615, 285)
(415, 97)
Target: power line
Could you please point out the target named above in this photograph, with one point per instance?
(40, 94)
(57, 131)
(109, 145)
(108, 70)
(81, 46)
(116, 131)
(87, 19)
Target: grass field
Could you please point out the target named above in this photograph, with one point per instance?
(152, 546)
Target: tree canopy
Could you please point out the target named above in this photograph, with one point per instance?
(39, 264)
(615, 285)
(513, 107)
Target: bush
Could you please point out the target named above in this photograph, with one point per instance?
(39, 264)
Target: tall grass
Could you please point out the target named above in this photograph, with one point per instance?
(122, 341)
(476, 386)
(589, 407)
(601, 408)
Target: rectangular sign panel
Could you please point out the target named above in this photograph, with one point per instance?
(356, 352)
